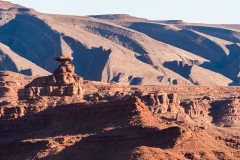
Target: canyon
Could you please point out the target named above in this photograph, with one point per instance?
(46, 118)
(125, 87)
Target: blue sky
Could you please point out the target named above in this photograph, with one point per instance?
(199, 11)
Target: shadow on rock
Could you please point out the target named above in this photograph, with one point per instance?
(119, 143)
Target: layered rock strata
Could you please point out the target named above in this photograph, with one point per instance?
(226, 112)
(63, 82)
(158, 102)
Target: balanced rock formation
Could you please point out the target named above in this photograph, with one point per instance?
(114, 121)
(64, 82)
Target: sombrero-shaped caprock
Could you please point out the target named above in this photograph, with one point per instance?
(64, 59)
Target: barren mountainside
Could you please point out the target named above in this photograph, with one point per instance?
(119, 48)
(121, 88)
(113, 121)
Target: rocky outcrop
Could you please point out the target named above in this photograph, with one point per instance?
(196, 108)
(226, 112)
(103, 125)
(103, 130)
(7, 5)
(231, 142)
(10, 83)
(116, 121)
(132, 51)
(158, 102)
(16, 8)
(64, 82)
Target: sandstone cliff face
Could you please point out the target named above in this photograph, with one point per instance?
(10, 83)
(227, 113)
(101, 127)
(112, 121)
(122, 48)
(122, 129)
(62, 116)
(63, 82)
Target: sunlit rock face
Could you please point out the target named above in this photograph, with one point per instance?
(63, 82)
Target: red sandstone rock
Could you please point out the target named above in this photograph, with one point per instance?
(64, 82)
(64, 59)
(57, 126)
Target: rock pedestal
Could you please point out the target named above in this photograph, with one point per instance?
(63, 82)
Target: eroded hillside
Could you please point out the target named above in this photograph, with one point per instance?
(113, 121)
(120, 48)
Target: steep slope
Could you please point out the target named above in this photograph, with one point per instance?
(210, 78)
(184, 39)
(75, 35)
(10, 83)
(123, 129)
(104, 138)
(213, 42)
(232, 70)
(21, 40)
(7, 5)
(227, 38)
(32, 39)
(226, 34)
(14, 62)
(51, 127)
(195, 73)
(120, 48)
